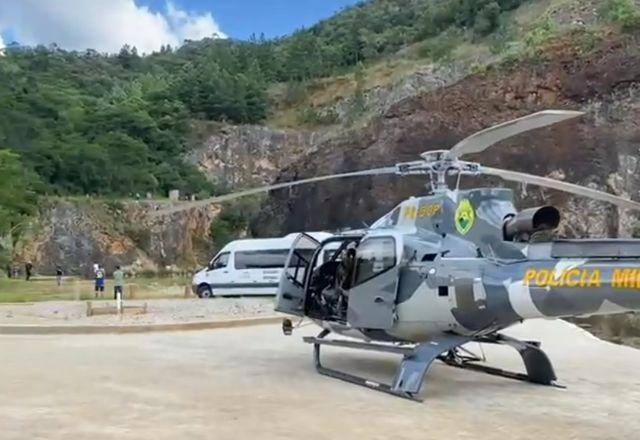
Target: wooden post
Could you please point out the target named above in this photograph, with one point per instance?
(119, 303)
(89, 309)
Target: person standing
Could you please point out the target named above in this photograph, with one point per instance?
(59, 275)
(99, 278)
(118, 283)
(28, 267)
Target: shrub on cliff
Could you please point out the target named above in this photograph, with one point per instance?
(626, 13)
(233, 221)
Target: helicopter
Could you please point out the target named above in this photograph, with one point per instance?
(452, 267)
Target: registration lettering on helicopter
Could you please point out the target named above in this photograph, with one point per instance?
(413, 212)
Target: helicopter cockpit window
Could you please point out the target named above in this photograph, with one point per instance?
(395, 216)
(328, 255)
(374, 256)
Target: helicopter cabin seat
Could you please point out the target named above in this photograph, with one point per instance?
(322, 292)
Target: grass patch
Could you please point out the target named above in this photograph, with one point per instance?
(73, 289)
(441, 47)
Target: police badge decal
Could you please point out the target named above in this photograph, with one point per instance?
(465, 217)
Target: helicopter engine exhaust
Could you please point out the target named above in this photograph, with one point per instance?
(524, 224)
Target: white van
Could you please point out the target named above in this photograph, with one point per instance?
(247, 267)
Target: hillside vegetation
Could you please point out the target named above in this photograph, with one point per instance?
(448, 53)
(75, 123)
(73, 116)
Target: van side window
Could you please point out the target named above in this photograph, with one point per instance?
(374, 256)
(221, 262)
(267, 259)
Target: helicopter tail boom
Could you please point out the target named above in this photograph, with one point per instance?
(575, 286)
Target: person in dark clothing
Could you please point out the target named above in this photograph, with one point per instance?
(9, 271)
(59, 275)
(27, 270)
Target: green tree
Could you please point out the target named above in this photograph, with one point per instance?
(17, 196)
(487, 19)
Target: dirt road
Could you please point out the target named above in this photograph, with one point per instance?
(253, 383)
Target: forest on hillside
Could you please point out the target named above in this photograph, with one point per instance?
(72, 115)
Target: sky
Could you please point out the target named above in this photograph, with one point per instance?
(106, 25)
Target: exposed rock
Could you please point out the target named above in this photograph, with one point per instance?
(381, 98)
(600, 150)
(241, 156)
(77, 234)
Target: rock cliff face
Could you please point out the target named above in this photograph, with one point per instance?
(600, 150)
(78, 233)
(242, 156)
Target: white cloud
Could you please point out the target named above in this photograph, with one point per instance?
(1, 42)
(104, 25)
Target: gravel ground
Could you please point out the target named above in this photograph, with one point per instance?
(254, 383)
(166, 311)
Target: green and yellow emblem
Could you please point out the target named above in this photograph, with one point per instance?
(465, 217)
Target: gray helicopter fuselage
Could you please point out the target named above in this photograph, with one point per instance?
(456, 273)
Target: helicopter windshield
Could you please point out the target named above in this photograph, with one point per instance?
(389, 220)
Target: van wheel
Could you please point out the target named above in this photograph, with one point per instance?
(204, 291)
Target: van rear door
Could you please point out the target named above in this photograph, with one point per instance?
(291, 290)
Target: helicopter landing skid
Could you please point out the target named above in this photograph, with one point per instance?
(539, 369)
(447, 348)
(410, 375)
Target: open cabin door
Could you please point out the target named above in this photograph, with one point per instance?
(372, 299)
(291, 290)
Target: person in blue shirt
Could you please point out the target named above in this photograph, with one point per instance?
(99, 278)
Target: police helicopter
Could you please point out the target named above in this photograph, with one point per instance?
(453, 267)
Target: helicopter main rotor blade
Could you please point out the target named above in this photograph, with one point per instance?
(263, 189)
(482, 140)
(572, 188)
